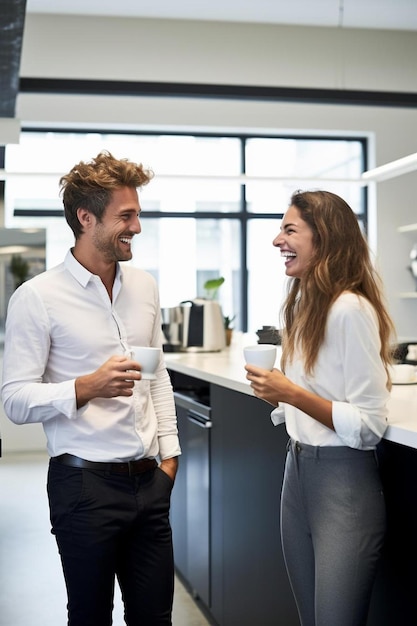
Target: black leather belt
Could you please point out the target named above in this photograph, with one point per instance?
(129, 468)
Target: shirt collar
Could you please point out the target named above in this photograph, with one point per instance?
(81, 274)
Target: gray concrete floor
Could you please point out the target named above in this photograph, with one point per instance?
(32, 589)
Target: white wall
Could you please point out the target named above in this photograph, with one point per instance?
(213, 52)
(242, 54)
(25, 438)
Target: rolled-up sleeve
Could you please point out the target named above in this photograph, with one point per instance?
(278, 415)
(350, 373)
(360, 417)
(355, 428)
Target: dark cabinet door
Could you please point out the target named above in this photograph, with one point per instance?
(393, 601)
(249, 581)
(225, 511)
(179, 500)
(198, 511)
(190, 506)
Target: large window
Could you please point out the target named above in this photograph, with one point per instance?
(212, 209)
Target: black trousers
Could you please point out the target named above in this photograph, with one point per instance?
(109, 526)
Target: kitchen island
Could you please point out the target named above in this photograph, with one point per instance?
(225, 510)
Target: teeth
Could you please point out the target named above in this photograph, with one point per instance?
(125, 239)
(288, 254)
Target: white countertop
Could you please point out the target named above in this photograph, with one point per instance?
(226, 368)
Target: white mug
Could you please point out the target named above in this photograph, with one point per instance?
(402, 373)
(412, 352)
(148, 358)
(262, 355)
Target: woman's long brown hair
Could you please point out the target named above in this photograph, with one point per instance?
(341, 262)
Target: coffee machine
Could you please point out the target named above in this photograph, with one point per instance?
(203, 326)
(172, 328)
(194, 326)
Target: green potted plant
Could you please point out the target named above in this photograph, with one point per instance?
(212, 286)
(228, 321)
(19, 268)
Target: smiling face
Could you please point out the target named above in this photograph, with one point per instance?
(295, 241)
(112, 236)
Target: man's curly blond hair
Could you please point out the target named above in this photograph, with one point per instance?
(91, 184)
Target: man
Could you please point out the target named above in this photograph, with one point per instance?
(67, 364)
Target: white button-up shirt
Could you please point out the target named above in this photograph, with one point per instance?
(62, 325)
(350, 373)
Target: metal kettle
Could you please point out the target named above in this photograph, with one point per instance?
(203, 326)
(172, 328)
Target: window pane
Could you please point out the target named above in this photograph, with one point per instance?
(182, 253)
(164, 154)
(299, 160)
(266, 275)
(193, 155)
(274, 198)
(211, 225)
(173, 196)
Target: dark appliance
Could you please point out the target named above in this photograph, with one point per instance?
(191, 524)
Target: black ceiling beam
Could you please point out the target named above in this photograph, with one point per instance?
(12, 19)
(227, 92)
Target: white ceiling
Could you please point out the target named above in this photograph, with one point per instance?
(381, 14)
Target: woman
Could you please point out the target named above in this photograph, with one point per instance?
(333, 390)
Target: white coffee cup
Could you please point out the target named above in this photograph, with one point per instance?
(402, 373)
(412, 352)
(262, 355)
(148, 358)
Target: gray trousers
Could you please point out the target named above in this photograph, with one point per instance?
(332, 529)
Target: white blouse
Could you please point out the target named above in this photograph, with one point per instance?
(350, 373)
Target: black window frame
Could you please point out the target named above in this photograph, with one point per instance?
(243, 216)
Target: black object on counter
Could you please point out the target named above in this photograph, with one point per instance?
(269, 334)
(170, 347)
(400, 353)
